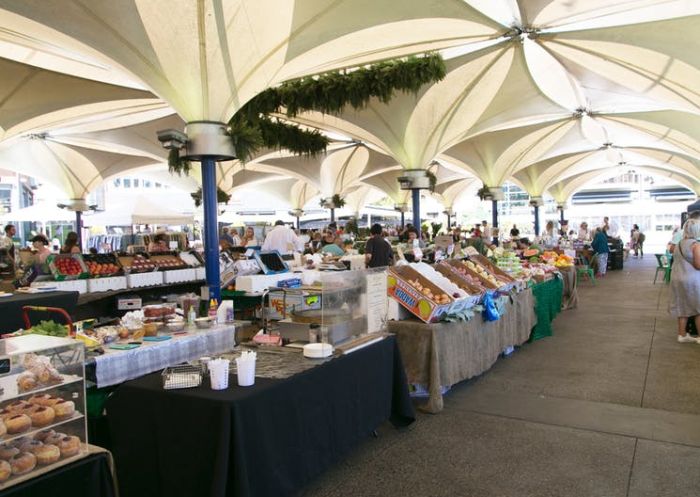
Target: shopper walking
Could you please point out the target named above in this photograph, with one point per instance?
(685, 280)
(601, 251)
(637, 241)
(283, 239)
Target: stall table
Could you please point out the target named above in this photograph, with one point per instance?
(443, 354)
(87, 477)
(268, 439)
(548, 302)
(11, 307)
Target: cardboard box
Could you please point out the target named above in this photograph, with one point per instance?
(459, 265)
(424, 308)
(106, 284)
(500, 274)
(279, 307)
(475, 292)
(138, 280)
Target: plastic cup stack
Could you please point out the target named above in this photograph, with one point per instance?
(218, 373)
(246, 368)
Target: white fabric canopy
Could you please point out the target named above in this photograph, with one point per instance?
(536, 91)
(41, 211)
(138, 211)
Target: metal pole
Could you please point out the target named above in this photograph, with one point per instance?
(561, 215)
(79, 228)
(494, 219)
(537, 220)
(449, 224)
(298, 223)
(332, 215)
(416, 210)
(211, 228)
(403, 219)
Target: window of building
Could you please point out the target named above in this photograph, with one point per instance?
(127, 182)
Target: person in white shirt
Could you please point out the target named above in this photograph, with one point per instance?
(283, 239)
(486, 232)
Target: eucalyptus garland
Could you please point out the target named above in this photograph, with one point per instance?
(252, 127)
(221, 196)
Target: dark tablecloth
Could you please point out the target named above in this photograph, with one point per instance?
(268, 439)
(88, 477)
(11, 307)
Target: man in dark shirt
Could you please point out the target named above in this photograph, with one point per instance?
(378, 252)
(514, 232)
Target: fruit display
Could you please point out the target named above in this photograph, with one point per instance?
(466, 282)
(101, 265)
(165, 262)
(419, 295)
(438, 279)
(137, 264)
(476, 271)
(67, 267)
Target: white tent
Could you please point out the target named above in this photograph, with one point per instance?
(41, 211)
(137, 211)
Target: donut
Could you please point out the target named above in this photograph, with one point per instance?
(22, 463)
(18, 423)
(7, 451)
(52, 401)
(54, 438)
(5, 470)
(30, 446)
(42, 416)
(43, 435)
(27, 381)
(40, 399)
(64, 409)
(47, 454)
(3, 428)
(69, 446)
(19, 442)
(18, 406)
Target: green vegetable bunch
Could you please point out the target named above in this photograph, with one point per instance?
(49, 328)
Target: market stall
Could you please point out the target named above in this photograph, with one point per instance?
(439, 355)
(267, 439)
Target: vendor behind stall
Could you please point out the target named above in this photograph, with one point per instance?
(283, 239)
(378, 252)
(158, 244)
(71, 245)
(330, 246)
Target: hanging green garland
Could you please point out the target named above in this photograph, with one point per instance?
(221, 196)
(252, 128)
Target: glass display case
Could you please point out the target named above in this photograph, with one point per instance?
(42, 406)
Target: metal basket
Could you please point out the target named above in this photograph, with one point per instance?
(182, 376)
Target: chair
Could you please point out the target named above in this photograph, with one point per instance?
(663, 265)
(583, 268)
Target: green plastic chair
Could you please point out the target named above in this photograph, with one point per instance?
(583, 268)
(664, 265)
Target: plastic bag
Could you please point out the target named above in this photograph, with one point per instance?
(490, 311)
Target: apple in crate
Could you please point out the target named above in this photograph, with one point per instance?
(68, 266)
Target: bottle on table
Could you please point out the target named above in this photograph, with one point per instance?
(213, 308)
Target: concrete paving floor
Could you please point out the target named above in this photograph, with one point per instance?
(609, 406)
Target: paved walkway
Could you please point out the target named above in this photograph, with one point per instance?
(609, 406)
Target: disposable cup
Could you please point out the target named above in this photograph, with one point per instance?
(246, 372)
(218, 374)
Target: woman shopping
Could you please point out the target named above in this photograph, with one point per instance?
(685, 280)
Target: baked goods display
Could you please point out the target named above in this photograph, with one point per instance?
(39, 372)
(42, 422)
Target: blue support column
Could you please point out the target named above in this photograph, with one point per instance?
(211, 228)
(561, 215)
(403, 219)
(416, 210)
(537, 220)
(332, 215)
(79, 228)
(494, 219)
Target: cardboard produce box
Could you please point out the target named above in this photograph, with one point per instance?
(461, 266)
(508, 281)
(422, 306)
(476, 292)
